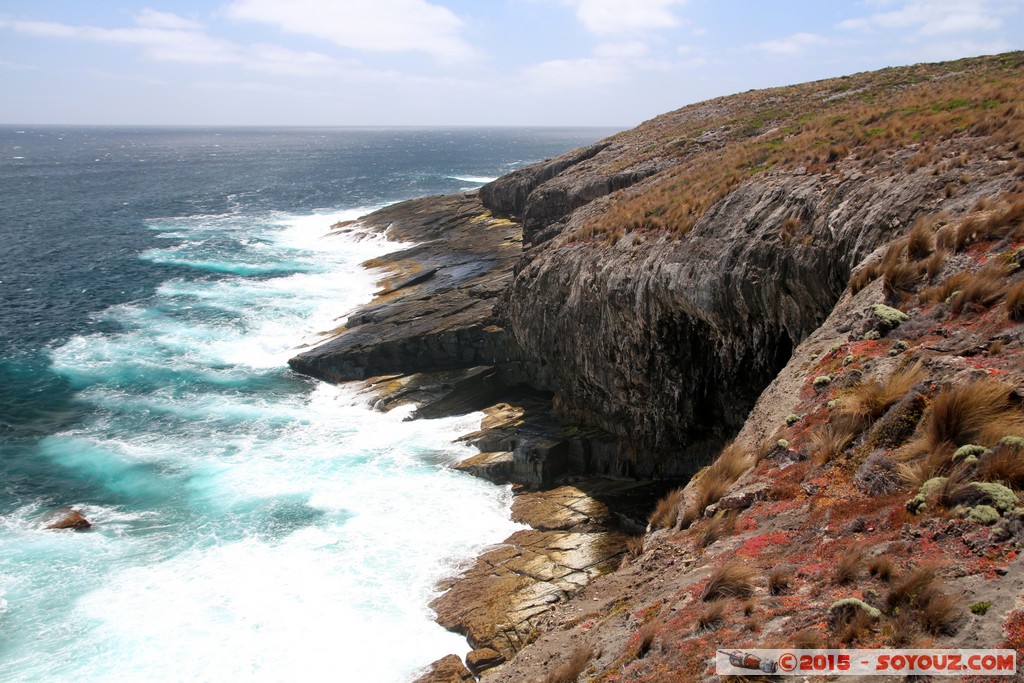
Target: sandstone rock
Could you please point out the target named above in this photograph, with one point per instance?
(483, 659)
(448, 669)
(496, 603)
(744, 497)
(436, 311)
(66, 518)
(561, 509)
(495, 467)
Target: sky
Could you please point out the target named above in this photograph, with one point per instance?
(453, 62)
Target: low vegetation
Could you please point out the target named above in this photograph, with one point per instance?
(859, 121)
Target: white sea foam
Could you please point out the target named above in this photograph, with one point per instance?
(260, 526)
(476, 179)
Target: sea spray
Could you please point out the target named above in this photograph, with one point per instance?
(262, 526)
(249, 524)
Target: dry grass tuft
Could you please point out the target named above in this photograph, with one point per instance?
(808, 639)
(932, 464)
(945, 289)
(868, 401)
(778, 580)
(853, 629)
(569, 671)
(881, 567)
(945, 238)
(919, 239)
(1004, 464)
(635, 547)
(730, 465)
(849, 566)
(980, 412)
(983, 288)
(666, 512)
(729, 580)
(1015, 302)
(717, 527)
(933, 266)
(901, 279)
(900, 629)
(921, 592)
(828, 442)
(865, 276)
(648, 632)
(711, 616)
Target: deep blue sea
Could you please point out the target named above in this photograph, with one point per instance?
(249, 524)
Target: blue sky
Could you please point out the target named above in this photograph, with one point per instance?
(453, 62)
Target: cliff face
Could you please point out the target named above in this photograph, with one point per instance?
(667, 339)
(665, 275)
(668, 342)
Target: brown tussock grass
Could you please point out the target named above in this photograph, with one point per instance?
(730, 465)
(711, 616)
(946, 288)
(933, 266)
(980, 412)
(932, 464)
(853, 629)
(719, 526)
(945, 238)
(648, 632)
(729, 580)
(808, 639)
(779, 580)
(865, 276)
(1003, 464)
(828, 442)
(900, 629)
(983, 288)
(1015, 302)
(569, 671)
(881, 567)
(920, 243)
(921, 591)
(849, 566)
(901, 279)
(666, 512)
(868, 401)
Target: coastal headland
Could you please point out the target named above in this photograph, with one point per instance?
(754, 368)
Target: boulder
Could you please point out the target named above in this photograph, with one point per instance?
(448, 669)
(483, 659)
(66, 518)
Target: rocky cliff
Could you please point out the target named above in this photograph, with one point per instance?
(673, 286)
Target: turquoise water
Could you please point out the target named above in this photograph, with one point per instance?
(250, 524)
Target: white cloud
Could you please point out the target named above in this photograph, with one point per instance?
(632, 49)
(559, 74)
(187, 45)
(366, 25)
(173, 45)
(791, 45)
(935, 17)
(616, 17)
(150, 18)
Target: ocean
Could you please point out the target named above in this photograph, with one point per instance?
(250, 524)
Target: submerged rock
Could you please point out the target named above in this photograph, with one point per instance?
(66, 518)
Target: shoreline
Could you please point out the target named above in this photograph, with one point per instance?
(436, 299)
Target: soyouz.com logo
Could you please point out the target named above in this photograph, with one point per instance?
(867, 662)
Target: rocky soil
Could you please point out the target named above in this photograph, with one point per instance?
(827, 274)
